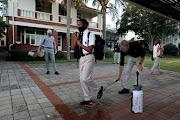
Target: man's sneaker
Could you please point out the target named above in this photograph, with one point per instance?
(47, 72)
(91, 104)
(56, 73)
(85, 102)
(100, 93)
(123, 91)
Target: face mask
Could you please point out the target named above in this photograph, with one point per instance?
(50, 34)
(126, 49)
(81, 29)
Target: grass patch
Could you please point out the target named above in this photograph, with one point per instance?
(171, 63)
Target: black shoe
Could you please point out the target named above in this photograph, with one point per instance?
(56, 73)
(85, 102)
(100, 93)
(47, 72)
(123, 91)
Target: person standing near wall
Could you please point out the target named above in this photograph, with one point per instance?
(50, 49)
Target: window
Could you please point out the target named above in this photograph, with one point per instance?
(62, 10)
(2, 42)
(43, 6)
(27, 39)
(40, 32)
(22, 39)
(32, 37)
(38, 39)
(30, 31)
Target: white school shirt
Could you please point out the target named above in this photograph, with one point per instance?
(85, 40)
(155, 48)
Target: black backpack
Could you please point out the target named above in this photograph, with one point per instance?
(99, 47)
(77, 52)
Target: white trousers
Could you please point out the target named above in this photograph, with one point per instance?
(86, 66)
(131, 62)
(156, 64)
(117, 55)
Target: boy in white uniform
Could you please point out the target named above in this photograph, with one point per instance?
(86, 64)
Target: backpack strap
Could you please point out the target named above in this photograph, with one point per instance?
(88, 38)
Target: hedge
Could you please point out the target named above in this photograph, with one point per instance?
(109, 54)
(22, 55)
(170, 49)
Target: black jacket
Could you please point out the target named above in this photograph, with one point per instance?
(116, 48)
(135, 50)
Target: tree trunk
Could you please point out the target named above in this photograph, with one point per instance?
(68, 27)
(150, 43)
(104, 27)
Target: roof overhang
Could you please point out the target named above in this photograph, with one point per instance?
(86, 8)
(3, 1)
(93, 12)
(167, 8)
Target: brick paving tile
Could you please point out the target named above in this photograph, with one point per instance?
(28, 93)
(21, 115)
(7, 117)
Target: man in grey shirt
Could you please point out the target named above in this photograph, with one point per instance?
(50, 49)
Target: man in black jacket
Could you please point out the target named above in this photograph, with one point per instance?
(116, 52)
(136, 56)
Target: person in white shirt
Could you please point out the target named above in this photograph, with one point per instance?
(156, 58)
(86, 63)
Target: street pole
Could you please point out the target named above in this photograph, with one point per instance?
(7, 22)
(68, 27)
(13, 21)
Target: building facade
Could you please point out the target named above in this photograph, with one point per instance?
(30, 19)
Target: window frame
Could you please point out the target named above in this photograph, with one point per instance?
(30, 36)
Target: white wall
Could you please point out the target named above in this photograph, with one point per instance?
(20, 4)
(55, 11)
(74, 16)
(123, 37)
(27, 5)
(171, 39)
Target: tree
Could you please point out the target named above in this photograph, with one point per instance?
(113, 10)
(3, 25)
(76, 4)
(68, 4)
(146, 24)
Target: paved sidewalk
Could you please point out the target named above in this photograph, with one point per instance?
(27, 93)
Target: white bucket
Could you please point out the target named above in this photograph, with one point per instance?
(137, 101)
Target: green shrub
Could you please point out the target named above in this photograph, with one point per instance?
(60, 56)
(2, 48)
(170, 49)
(109, 54)
(22, 55)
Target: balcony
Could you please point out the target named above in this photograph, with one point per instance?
(35, 15)
(42, 16)
(93, 25)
